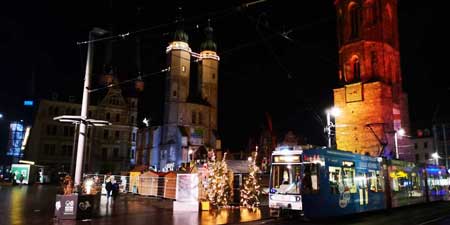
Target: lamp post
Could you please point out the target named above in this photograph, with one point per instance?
(85, 103)
(400, 132)
(333, 111)
(78, 120)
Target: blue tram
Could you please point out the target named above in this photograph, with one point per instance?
(325, 182)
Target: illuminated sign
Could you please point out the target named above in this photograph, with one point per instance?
(286, 158)
(28, 103)
(348, 164)
(398, 174)
(314, 159)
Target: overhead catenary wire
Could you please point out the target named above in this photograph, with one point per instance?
(216, 14)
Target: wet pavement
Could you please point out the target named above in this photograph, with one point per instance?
(35, 204)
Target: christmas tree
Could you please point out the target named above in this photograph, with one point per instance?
(251, 189)
(218, 188)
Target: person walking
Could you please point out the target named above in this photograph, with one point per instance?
(115, 189)
(108, 187)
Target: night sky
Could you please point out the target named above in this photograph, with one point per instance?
(291, 77)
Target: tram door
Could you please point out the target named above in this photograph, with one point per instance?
(363, 189)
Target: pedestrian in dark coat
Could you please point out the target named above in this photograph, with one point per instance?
(115, 190)
(108, 187)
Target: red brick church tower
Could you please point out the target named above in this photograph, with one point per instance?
(370, 96)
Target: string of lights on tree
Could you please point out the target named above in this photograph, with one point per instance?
(251, 190)
(218, 187)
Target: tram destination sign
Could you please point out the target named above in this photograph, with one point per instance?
(287, 159)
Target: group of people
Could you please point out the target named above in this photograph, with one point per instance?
(112, 187)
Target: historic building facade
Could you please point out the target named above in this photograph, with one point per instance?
(189, 126)
(373, 104)
(108, 149)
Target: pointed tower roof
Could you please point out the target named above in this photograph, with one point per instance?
(179, 34)
(209, 43)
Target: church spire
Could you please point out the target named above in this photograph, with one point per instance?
(209, 43)
(179, 34)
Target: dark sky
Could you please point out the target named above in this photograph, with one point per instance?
(260, 70)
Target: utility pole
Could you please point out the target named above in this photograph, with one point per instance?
(444, 138)
(84, 106)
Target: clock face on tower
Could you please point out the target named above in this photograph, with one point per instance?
(354, 92)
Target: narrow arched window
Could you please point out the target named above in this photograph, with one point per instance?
(356, 69)
(354, 21)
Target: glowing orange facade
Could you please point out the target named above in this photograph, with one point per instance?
(371, 99)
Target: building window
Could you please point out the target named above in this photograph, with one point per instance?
(213, 76)
(104, 153)
(183, 68)
(427, 156)
(417, 157)
(117, 134)
(174, 93)
(132, 119)
(117, 117)
(52, 149)
(200, 117)
(133, 136)
(194, 118)
(108, 116)
(46, 150)
(66, 131)
(416, 145)
(425, 144)
(105, 134)
(116, 153)
(90, 114)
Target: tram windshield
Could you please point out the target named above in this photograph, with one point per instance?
(286, 179)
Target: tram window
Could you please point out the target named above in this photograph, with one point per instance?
(376, 181)
(310, 179)
(349, 179)
(335, 177)
(400, 181)
(415, 182)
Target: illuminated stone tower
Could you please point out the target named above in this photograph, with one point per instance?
(208, 68)
(371, 98)
(190, 119)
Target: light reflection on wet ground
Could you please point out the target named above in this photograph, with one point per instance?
(25, 205)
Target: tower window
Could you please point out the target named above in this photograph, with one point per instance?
(174, 93)
(354, 21)
(213, 76)
(183, 68)
(356, 69)
(117, 117)
(108, 116)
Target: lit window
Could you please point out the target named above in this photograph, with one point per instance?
(183, 68)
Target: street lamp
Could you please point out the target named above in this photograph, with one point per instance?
(400, 132)
(85, 103)
(76, 120)
(436, 157)
(333, 111)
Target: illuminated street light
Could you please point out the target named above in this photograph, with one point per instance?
(399, 132)
(335, 112)
(436, 157)
(76, 120)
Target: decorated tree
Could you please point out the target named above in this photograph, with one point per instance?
(218, 187)
(251, 189)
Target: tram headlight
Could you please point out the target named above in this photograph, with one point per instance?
(297, 198)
